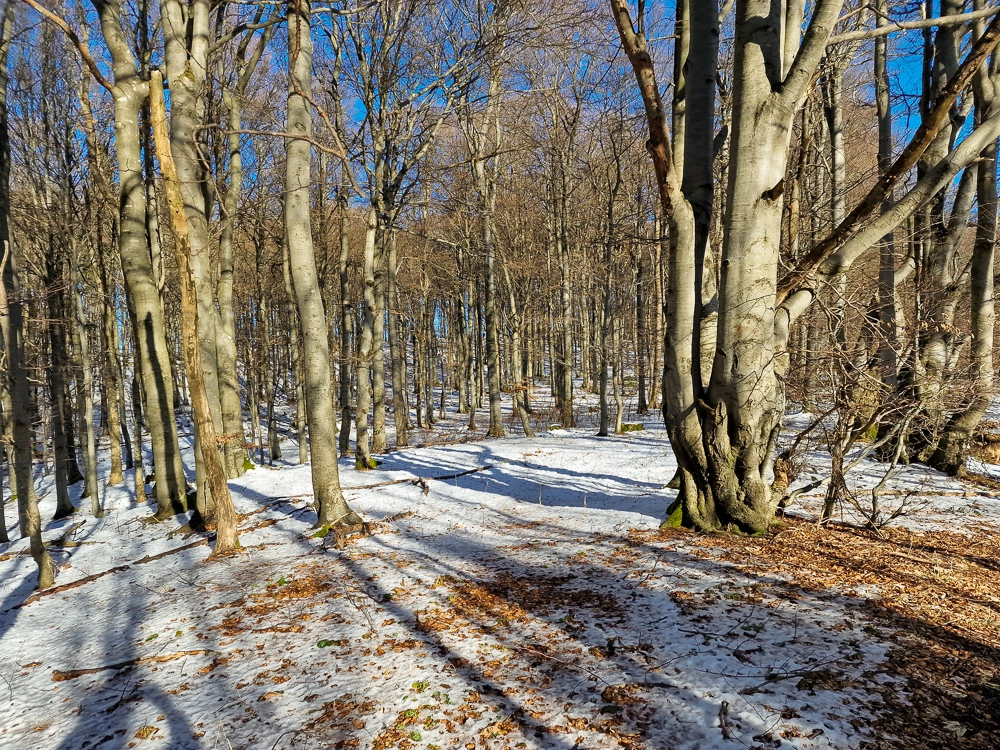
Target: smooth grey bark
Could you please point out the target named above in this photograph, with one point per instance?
(332, 508)
(951, 450)
(363, 460)
(518, 385)
(112, 400)
(887, 249)
(465, 347)
(483, 136)
(492, 344)
(267, 371)
(227, 537)
(12, 329)
(234, 442)
(7, 380)
(724, 438)
(152, 351)
(607, 320)
(379, 439)
(640, 332)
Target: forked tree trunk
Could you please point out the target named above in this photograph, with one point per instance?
(724, 437)
(186, 32)
(952, 448)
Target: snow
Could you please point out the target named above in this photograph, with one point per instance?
(531, 604)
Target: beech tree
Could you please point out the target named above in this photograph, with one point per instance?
(724, 424)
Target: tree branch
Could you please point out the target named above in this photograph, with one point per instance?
(921, 140)
(924, 23)
(78, 43)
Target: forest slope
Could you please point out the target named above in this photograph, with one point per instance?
(530, 603)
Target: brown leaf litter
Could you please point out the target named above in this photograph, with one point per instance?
(937, 594)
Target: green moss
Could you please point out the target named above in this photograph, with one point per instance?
(322, 532)
(248, 464)
(633, 427)
(362, 466)
(675, 515)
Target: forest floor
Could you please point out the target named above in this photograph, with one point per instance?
(530, 603)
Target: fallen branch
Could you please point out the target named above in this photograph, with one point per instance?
(60, 676)
(419, 481)
(148, 558)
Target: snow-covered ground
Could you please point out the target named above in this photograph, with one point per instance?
(529, 604)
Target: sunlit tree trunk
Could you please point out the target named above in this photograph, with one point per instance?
(152, 351)
(332, 508)
(227, 538)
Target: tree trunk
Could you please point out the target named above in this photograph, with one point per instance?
(379, 440)
(110, 375)
(57, 387)
(12, 327)
(227, 538)
(12, 330)
(234, 441)
(331, 506)
(346, 330)
(363, 460)
(86, 396)
(492, 343)
(152, 351)
(724, 438)
(397, 348)
(186, 33)
(640, 332)
(952, 448)
(298, 365)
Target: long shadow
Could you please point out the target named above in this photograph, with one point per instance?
(10, 606)
(595, 627)
(113, 713)
(953, 688)
(558, 486)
